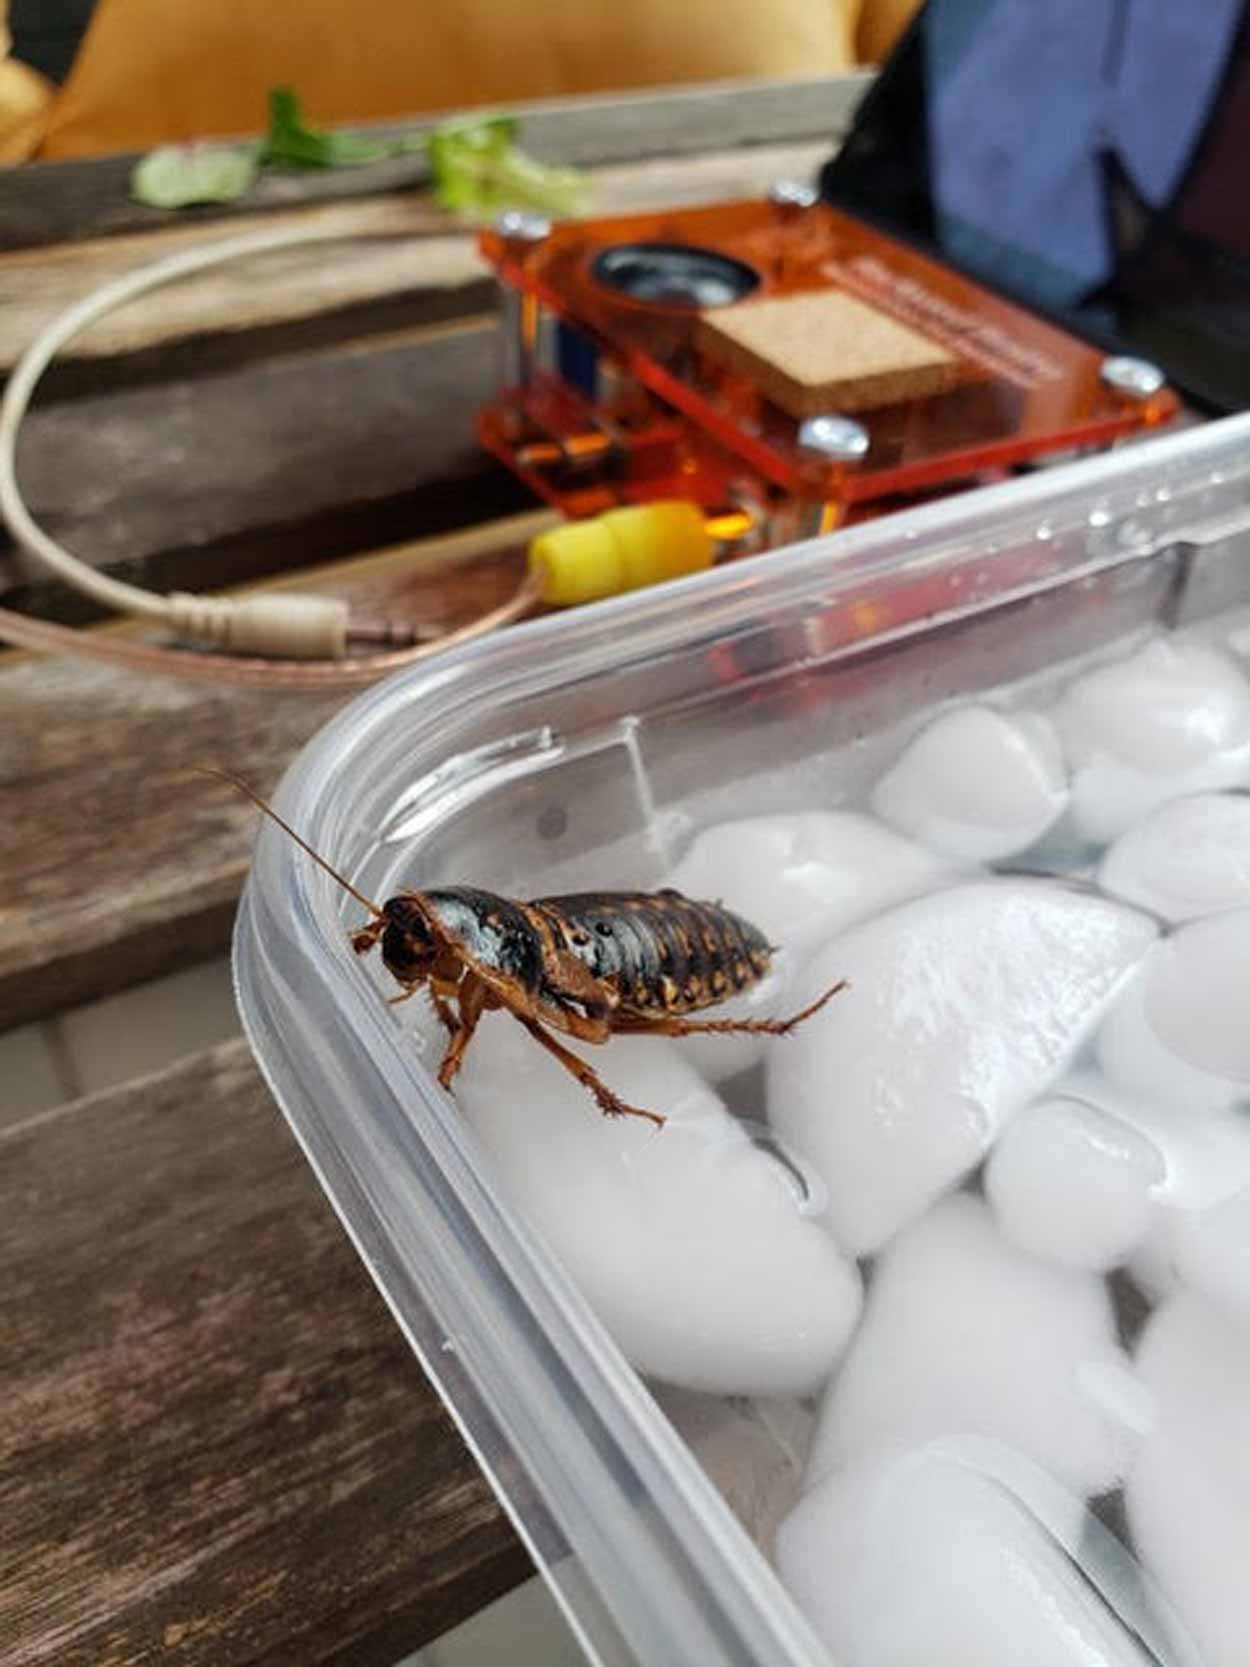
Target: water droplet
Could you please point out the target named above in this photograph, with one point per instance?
(1100, 518)
(1045, 532)
(1132, 534)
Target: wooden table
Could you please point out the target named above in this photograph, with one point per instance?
(214, 1445)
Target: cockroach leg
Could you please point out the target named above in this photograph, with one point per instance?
(785, 1026)
(584, 1026)
(577, 983)
(365, 937)
(609, 1103)
(674, 1026)
(405, 994)
(472, 1006)
(450, 1022)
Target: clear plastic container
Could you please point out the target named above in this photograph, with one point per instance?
(583, 751)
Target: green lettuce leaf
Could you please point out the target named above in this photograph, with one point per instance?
(292, 143)
(176, 176)
(478, 170)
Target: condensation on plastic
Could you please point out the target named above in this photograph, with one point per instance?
(635, 710)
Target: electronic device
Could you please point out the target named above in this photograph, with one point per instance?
(1033, 242)
(783, 365)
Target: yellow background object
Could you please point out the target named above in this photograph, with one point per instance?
(624, 549)
(881, 22)
(153, 72)
(25, 98)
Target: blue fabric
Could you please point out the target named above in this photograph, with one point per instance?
(1026, 99)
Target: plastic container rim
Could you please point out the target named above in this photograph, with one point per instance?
(694, 1566)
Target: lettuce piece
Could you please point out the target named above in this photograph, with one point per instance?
(176, 176)
(478, 170)
(292, 143)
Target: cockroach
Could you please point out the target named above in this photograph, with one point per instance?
(591, 965)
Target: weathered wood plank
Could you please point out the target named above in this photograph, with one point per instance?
(116, 871)
(215, 480)
(52, 202)
(116, 865)
(401, 263)
(215, 1446)
(390, 251)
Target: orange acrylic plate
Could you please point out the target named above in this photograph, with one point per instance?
(1023, 387)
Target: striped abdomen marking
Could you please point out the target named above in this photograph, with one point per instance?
(661, 952)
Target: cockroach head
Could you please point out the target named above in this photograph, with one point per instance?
(409, 947)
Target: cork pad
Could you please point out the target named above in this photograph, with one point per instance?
(825, 351)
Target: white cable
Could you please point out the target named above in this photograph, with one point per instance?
(289, 626)
(252, 672)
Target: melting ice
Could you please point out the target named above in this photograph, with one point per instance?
(963, 1006)
(1028, 1084)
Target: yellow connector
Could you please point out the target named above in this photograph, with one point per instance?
(584, 561)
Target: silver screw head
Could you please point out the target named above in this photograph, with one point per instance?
(837, 439)
(792, 193)
(519, 226)
(1137, 378)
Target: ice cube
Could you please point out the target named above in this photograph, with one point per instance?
(1178, 1031)
(1132, 1057)
(1188, 1489)
(1151, 1267)
(1205, 1249)
(1192, 1237)
(691, 1242)
(1211, 1249)
(1120, 1393)
(1070, 1183)
(1188, 858)
(963, 1334)
(963, 1007)
(1169, 720)
(799, 878)
(923, 1559)
(976, 784)
(802, 877)
(1206, 1154)
(1195, 994)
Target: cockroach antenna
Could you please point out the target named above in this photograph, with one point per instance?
(241, 786)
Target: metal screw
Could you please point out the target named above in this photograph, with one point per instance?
(520, 227)
(1137, 378)
(837, 439)
(792, 193)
